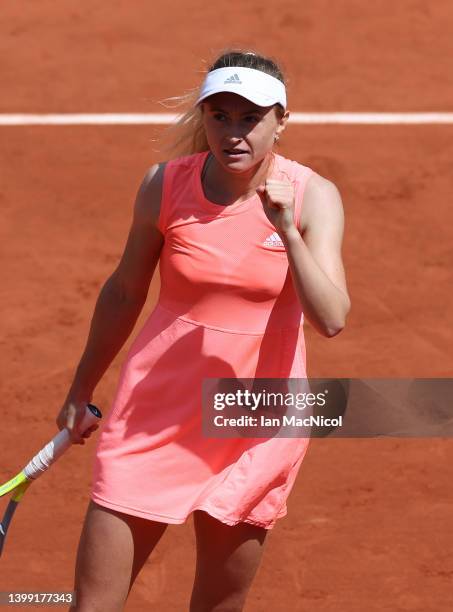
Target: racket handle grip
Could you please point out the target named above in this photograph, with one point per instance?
(58, 445)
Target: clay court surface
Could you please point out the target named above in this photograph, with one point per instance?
(369, 524)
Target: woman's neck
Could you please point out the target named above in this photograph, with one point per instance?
(226, 188)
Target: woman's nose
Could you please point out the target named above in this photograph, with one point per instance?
(236, 132)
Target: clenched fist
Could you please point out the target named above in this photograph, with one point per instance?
(278, 198)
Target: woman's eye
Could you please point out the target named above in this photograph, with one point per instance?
(219, 116)
(252, 119)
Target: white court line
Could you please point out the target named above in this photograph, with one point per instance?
(166, 118)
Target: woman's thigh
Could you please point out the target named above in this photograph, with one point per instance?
(112, 550)
(228, 558)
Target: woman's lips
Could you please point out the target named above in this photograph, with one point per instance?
(235, 152)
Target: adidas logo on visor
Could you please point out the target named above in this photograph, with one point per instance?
(273, 240)
(233, 79)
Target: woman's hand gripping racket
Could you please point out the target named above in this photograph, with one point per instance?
(38, 465)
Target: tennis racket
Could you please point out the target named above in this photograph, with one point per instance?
(37, 466)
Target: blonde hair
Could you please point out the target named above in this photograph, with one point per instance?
(187, 135)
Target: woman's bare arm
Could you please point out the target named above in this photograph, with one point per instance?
(315, 260)
(123, 295)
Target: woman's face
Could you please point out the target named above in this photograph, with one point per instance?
(239, 132)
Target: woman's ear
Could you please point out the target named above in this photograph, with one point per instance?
(282, 123)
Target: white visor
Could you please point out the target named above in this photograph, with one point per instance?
(257, 86)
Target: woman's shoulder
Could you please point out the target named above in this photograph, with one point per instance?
(317, 191)
(294, 170)
(322, 202)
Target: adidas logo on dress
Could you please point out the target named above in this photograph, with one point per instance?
(273, 240)
(233, 79)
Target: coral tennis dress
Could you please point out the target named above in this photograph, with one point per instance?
(227, 308)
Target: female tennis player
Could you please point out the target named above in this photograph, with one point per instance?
(249, 243)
